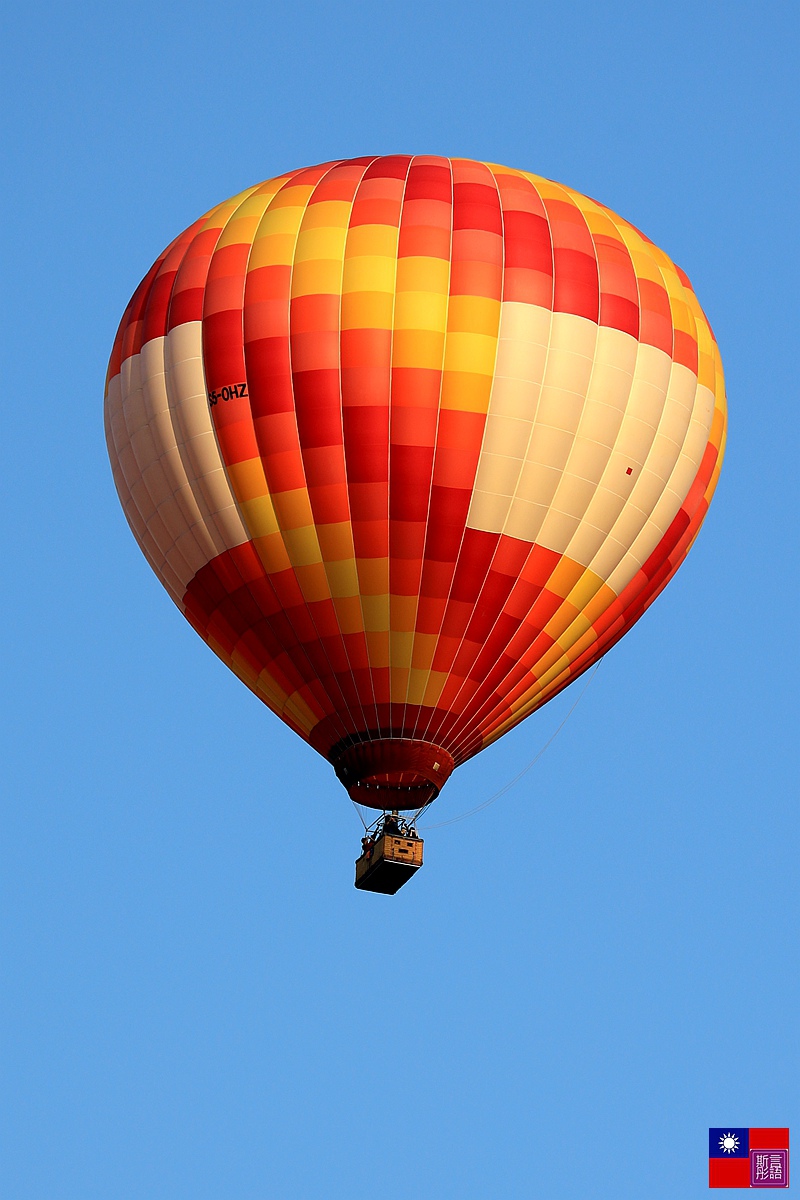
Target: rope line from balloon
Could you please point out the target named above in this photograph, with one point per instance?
(508, 786)
(360, 814)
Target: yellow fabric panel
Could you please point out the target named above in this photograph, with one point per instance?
(420, 311)
(374, 604)
(241, 228)
(327, 219)
(434, 687)
(319, 244)
(317, 277)
(417, 348)
(301, 711)
(401, 645)
(302, 545)
(293, 509)
(465, 391)
(259, 514)
(548, 189)
(247, 479)
(370, 274)
(423, 274)
(271, 250)
(470, 352)
(218, 216)
(367, 310)
(372, 241)
(342, 576)
(474, 314)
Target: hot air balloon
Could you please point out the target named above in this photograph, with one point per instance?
(412, 442)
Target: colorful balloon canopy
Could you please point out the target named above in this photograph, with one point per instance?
(411, 442)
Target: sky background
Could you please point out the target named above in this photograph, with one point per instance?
(197, 1004)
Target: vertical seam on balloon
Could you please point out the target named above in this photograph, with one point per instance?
(330, 710)
(335, 713)
(686, 434)
(244, 196)
(463, 721)
(570, 542)
(217, 537)
(492, 714)
(412, 734)
(526, 710)
(285, 181)
(412, 159)
(516, 693)
(394, 311)
(257, 687)
(130, 508)
(480, 452)
(615, 524)
(389, 450)
(548, 693)
(721, 405)
(591, 371)
(347, 486)
(427, 721)
(223, 462)
(608, 639)
(140, 294)
(214, 531)
(163, 552)
(133, 517)
(464, 735)
(170, 394)
(648, 456)
(232, 562)
(618, 434)
(587, 568)
(356, 690)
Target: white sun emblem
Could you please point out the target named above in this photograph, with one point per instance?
(729, 1142)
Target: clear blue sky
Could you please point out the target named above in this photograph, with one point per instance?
(197, 1005)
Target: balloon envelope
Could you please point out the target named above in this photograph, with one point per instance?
(412, 441)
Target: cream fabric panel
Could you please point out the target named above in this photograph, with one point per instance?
(685, 465)
(573, 342)
(653, 504)
(124, 469)
(523, 337)
(168, 468)
(163, 470)
(584, 497)
(218, 516)
(577, 523)
(624, 499)
(148, 491)
(592, 441)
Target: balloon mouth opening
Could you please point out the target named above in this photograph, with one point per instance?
(392, 773)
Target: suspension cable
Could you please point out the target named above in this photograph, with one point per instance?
(360, 815)
(507, 787)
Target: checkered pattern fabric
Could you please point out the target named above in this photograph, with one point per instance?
(412, 441)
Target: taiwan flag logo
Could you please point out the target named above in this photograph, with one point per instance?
(744, 1158)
